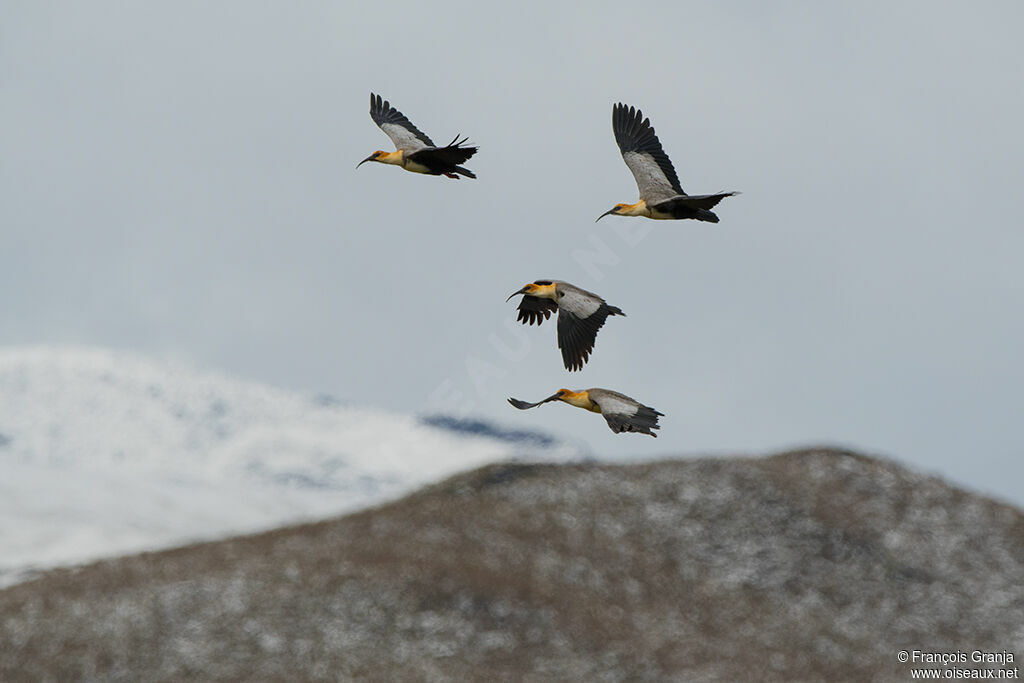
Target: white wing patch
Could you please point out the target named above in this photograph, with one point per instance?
(403, 138)
(613, 405)
(654, 187)
(579, 304)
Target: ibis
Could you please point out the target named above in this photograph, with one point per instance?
(661, 196)
(580, 315)
(622, 413)
(414, 150)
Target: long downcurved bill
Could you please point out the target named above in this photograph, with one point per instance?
(523, 405)
(369, 158)
(521, 291)
(609, 211)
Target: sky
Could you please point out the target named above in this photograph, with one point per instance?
(178, 179)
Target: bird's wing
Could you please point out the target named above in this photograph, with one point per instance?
(533, 310)
(453, 153)
(406, 136)
(624, 414)
(656, 179)
(523, 405)
(580, 315)
(699, 201)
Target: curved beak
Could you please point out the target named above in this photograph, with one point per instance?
(521, 291)
(609, 211)
(369, 158)
(523, 405)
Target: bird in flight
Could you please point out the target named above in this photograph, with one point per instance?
(580, 315)
(661, 196)
(414, 150)
(622, 413)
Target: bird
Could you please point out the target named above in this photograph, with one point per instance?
(414, 150)
(580, 315)
(661, 196)
(622, 413)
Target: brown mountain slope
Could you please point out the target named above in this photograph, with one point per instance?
(803, 566)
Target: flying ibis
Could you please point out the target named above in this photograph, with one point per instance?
(414, 150)
(623, 413)
(661, 196)
(580, 315)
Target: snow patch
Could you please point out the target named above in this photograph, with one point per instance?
(106, 453)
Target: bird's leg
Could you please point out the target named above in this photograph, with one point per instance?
(451, 175)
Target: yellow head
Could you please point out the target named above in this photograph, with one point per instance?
(638, 209)
(544, 289)
(383, 157)
(580, 399)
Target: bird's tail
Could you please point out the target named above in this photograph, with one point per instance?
(706, 216)
(462, 170)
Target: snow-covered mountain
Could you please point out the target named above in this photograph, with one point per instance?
(104, 453)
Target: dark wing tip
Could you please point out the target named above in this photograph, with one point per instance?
(534, 310)
(382, 112)
(522, 405)
(644, 421)
(577, 336)
(634, 133)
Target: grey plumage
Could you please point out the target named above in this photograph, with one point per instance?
(419, 153)
(656, 180)
(625, 414)
(642, 151)
(397, 126)
(581, 314)
(622, 413)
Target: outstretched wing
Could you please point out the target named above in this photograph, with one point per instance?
(523, 405)
(656, 179)
(533, 310)
(700, 201)
(406, 136)
(643, 422)
(624, 414)
(580, 316)
(454, 153)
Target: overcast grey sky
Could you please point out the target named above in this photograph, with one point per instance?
(179, 179)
